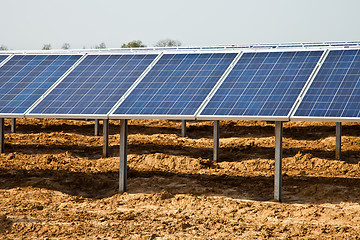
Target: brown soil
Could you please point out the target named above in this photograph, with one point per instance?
(55, 184)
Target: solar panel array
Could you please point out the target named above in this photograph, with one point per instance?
(259, 85)
(263, 84)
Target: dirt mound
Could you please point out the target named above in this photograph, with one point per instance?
(54, 183)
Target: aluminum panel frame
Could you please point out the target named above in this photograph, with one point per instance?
(250, 118)
(67, 116)
(324, 119)
(169, 117)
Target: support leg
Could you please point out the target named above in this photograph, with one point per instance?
(338, 141)
(97, 127)
(13, 125)
(123, 155)
(106, 138)
(2, 135)
(216, 140)
(183, 128)
(278, 161)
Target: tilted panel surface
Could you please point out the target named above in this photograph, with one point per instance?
(24, 78)
(177, 84)
(263, 84)
(95, 85)
(335, 91)
(3, 57)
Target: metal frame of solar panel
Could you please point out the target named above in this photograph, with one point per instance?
(333, 95)
(237, 47)
(262, 85)
(25, 78)
(176, 86)
(94, 87)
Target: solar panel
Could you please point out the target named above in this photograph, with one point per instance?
(24, 78)
(335, 91)
(262, 85)
(176, 85)
(95, 85)
(3, 57)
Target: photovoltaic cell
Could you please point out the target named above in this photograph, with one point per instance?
(263, 84)
(335, 91)
(177, 84)
(95, 85)
(24, 78)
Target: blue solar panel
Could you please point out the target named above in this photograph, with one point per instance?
(24, 78)
(335, 91)
(95, 85)
(3, 57)
(177, 84)
(263, 84)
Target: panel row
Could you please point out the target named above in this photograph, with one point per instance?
(267, 85)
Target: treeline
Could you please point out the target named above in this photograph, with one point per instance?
(132, 44)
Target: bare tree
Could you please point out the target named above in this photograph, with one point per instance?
(3, 47)
(168, 43)
(133, 44)
(101, 46)
(66, 46)
(46, 46)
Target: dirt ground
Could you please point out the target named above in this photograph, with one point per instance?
(54, 183)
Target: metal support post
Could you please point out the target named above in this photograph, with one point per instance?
(338, 141)
(123, 155)
(278, 161)
(183, 128)
(13, 125)
(2, 135)
(97, 127)
(216, 140)
(105, 137)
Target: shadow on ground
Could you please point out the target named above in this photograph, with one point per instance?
(305, 189)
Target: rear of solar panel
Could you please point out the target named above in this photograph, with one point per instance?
(176, 86)
(25, 78)
(334, 94)
(94, 86)
(262, 86)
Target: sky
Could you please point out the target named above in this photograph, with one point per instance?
(29, 24)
